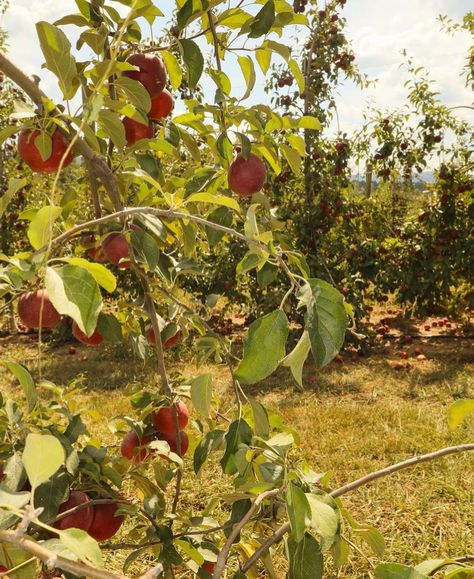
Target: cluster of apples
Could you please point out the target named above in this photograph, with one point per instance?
(151, 74)
(35, 309)
(135, 448)
(100, 521)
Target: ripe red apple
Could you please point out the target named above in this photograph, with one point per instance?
(161, 106)
(116, 250)
(93, 340)
(163, 420)
(338, 359)
(172, 441)
(72, 350)
(427, 327)
(35, 309)
(208, 566)
(246, 176)
(82, 519)
(135, 131)
(105, 524)
(152, 72)
(418, 351)
(32, 157)
(404, 355)
(170, 342)
(398, 366)
(131, 442)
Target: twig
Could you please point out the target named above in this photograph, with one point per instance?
(400, 466)
(224, 552)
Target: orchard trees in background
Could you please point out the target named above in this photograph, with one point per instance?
(147, 200)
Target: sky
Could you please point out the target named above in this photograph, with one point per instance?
(378, 29)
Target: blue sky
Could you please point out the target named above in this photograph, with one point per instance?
(378, 29)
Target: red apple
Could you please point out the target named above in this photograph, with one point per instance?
(116, 250)
(131, 442)
(404, 355)
(135, 131)
(172, 441)
(170, 342)
(151, 73)
(161, 106)
(3, 569)
(398, 366)
(82, 519)
(105, 524)
(208, 566)
(72, 350)
(163, 420)
(93, 340)
(29, 152)
(246, 176)
(35, 309)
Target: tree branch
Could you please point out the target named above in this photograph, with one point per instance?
(224, 552)
(50, 558)
(283, 529)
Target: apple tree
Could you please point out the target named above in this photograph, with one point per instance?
(162, 185)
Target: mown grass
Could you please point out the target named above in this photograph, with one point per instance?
(353, 419)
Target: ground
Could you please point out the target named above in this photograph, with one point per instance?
(356, 416)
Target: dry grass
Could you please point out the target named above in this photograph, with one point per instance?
(353, 419)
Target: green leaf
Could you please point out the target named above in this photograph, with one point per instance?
(99, 272)
(40, 231)
(296, 70)
(299, 511)
(42, 456)
(26, 381)
(84, 547)
(263, 21)
(458, 412)
(17, 500)
(211, 199)
(11, 556)
(264, 58)
(109, 328)
(326, 319)
(397, 571)
(248, 70)
(260, 419)
(201, 393)
(305, 559)
(146, 248)
(74, 292)
(51, 494)
(297, 357)
(205, 446)
(222, 216)
(293, 158)
(56, 49)
(14, 185)
(134, 92)
(264, 347)
(324, 520)
(193, 59)
(44, 144)
(224, 146)
(113, 128)
(307, 122)
(173, 67)
(239, 432)
(373, 538)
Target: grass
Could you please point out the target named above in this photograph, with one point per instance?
(352, 419)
